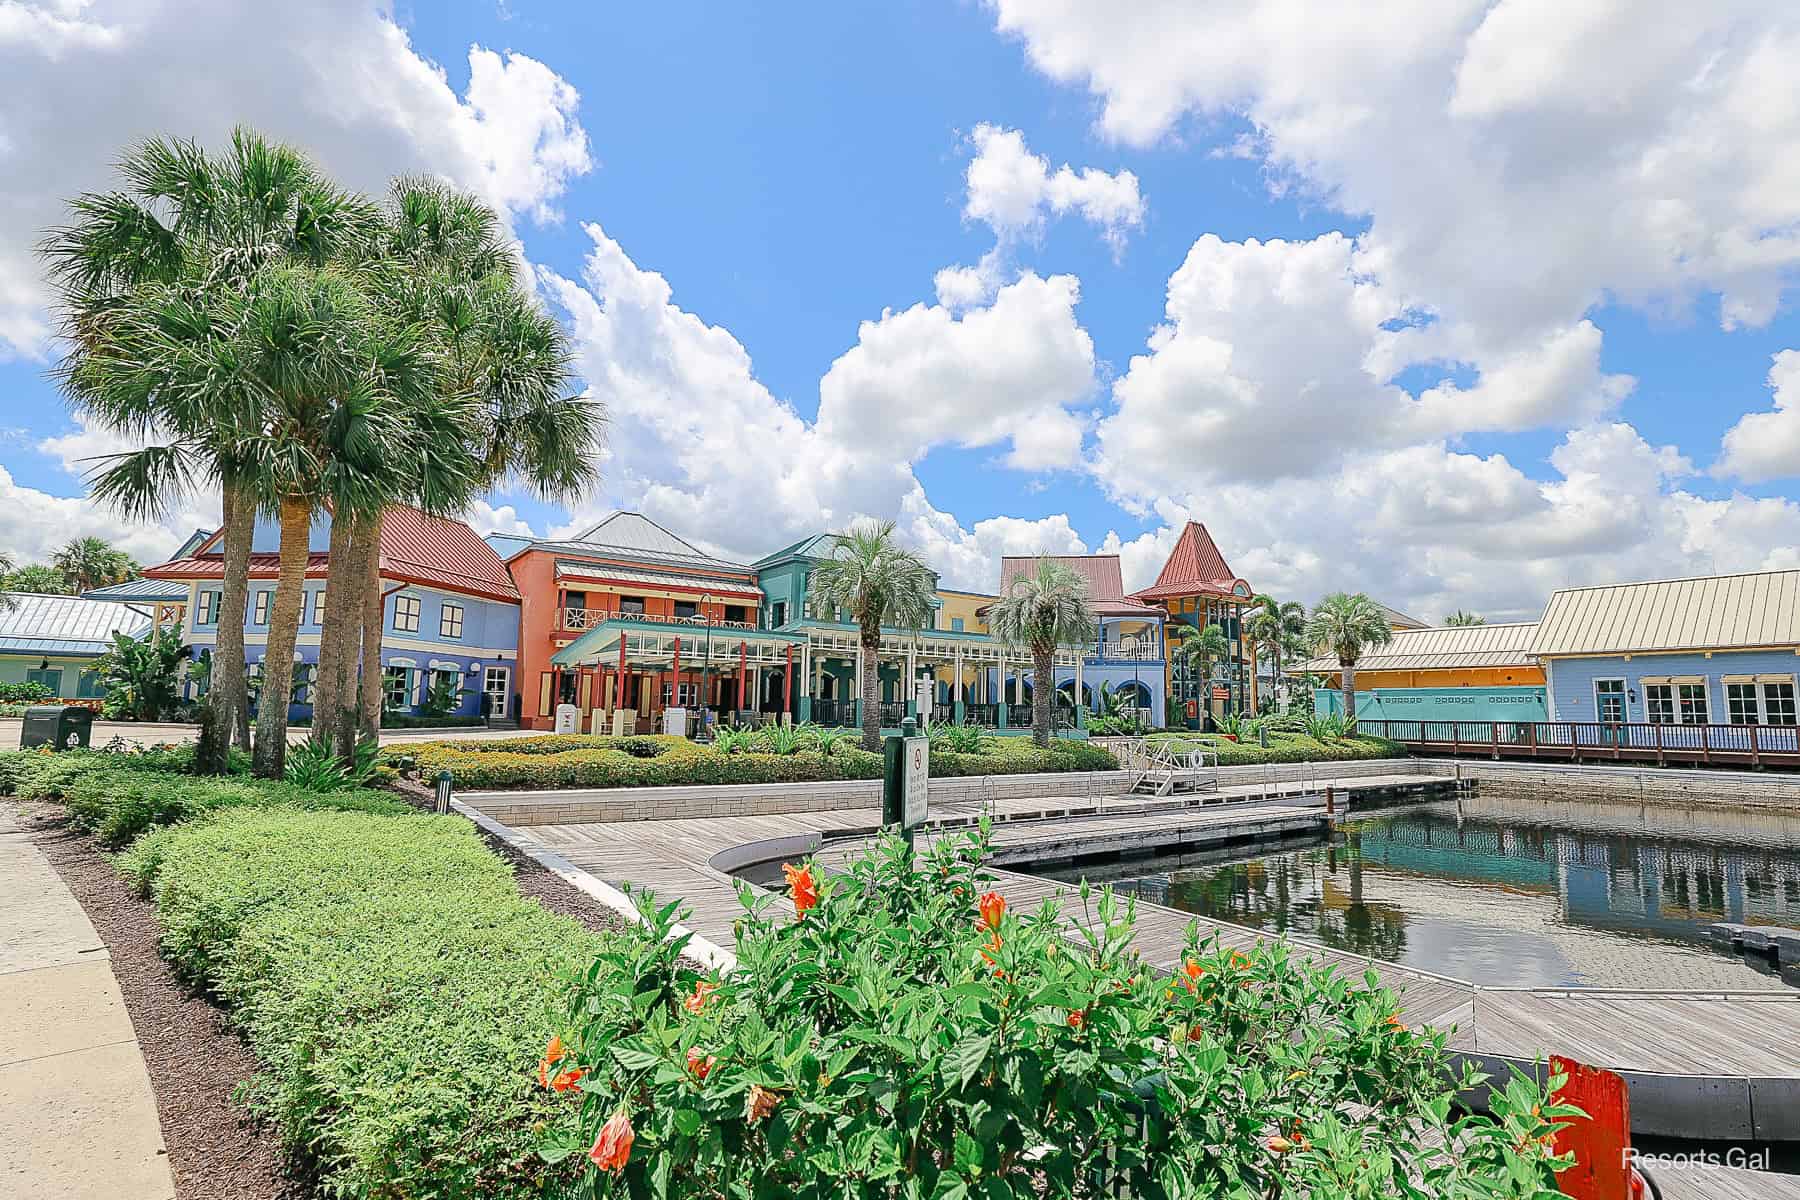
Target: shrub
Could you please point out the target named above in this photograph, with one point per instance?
(24, 693)
(906, 1036)
(388, 976)
(574, 760)
(317, 767)
(1286, 748)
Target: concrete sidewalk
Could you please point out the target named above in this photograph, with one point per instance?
(77, 1116)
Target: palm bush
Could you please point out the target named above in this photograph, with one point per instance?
(1346, 625)
(732, 739)
(960, 739)
(1041, 613)
(784, 739)
(899, 1032)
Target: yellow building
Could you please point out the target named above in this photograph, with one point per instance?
(961, 611)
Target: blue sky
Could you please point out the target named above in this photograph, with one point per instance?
(795, 171)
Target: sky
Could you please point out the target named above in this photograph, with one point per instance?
(1455, 302)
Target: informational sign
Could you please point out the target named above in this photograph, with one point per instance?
(1220, 693)
(568, 719)
(916, 781)
(1193, 709)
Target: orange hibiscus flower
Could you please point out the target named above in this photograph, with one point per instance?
(802, 890)
(700, 1064)
(612, 1148)
(993, 907)
(703, 991)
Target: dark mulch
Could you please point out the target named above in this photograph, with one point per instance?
(216, 1150)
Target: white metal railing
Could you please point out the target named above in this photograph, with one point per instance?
(576, 620)
(1145, 758)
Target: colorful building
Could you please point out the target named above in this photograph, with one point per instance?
(627, 620)
(450, 611)
(1449, 673)
(1718, 650)
(963, 612)
(1125, 656)
(1197, 588)
(53, 640)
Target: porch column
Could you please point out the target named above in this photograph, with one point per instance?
(956, 692)
(856, 683)
(744, 704)
(1080, 704)
(787, 687)
(911, 695)
(1000, 705)
(675, 678)
(807, 685)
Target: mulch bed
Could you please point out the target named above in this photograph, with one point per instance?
(217, 1150)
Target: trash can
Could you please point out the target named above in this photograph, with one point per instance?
(58, 726)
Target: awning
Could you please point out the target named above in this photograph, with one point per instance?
(599, 573)
(653, 642)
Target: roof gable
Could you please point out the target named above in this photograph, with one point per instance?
(1195, 565)
(1760, 608)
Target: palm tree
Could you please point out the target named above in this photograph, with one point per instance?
(39, 580)
(150, 280)
(88, 562)
(1273, 625)
(872, 578)
(1345, 625)
(1201, 650)
(7, 603)
(1042, 612)
(1459, 617)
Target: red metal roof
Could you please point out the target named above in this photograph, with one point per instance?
(1195, 566)
(415, 548)
(1105, 583)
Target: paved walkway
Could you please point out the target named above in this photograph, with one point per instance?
(77, 1116)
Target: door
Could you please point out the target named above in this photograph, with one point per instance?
(496, 689)
(1609, 707)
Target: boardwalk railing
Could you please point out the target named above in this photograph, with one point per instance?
(1599, 741)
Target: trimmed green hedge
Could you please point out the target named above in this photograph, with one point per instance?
(656, 760)
(116, 797)
(1286, 748)
(393, 982)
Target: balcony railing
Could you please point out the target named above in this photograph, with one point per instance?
(985, 715)
(1124, 650)
(837, 713)
(1598, 740)
(577, 620)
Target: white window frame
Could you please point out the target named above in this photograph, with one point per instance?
(319, 607)
(407, 610)
(206, 608)
(1600, 709)
(265, 599)
(1785, 707)
(444, 622)
(502, 694)
(1735, 708)
(388, 692)
(1660, 710)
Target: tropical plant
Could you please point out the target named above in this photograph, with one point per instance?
(893, 1029)
(317, 767)
(1459, 617)
(24, 693)
(443, 695)
(1202, 651)
(152, 284)
(829, 738)
(1344, 625)
(143, 676)
(783, 739)
(1325, 726)
(1236, 725)
(1273, 626)
(956, 738)
(87, 563)
(733, 739)
(870, 576)
(37, 579)
(1041, 613)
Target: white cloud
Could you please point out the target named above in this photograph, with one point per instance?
(80, 449)
(1766, 445)
(34, 523)
(80, 82)
(484, 517)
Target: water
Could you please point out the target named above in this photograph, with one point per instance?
(1515, 892)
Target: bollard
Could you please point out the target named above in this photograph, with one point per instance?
(1330, 802)
(443, 791)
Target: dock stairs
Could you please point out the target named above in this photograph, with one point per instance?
(1159, 770)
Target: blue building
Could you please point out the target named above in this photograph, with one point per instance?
(450, 619)
(1126, 654)
(1719, 650)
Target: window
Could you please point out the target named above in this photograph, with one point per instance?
(262, 608)
(302, 685)
(319, 607)
(1659, 699)
(1740, 704)
(447, 687)
(778, 615)
(450, 619)
(206, 612)
(1609, 700)
(1778, 703)
(956, 624)
(631, 604)
(396, 687)
(686, 608)
(406, 614)
(736, 612)
(1693, 703)
(50, 677)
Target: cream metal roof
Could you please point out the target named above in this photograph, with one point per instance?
(1715, 612)
(1445, 647)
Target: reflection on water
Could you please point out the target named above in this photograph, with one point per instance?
(1514, 892)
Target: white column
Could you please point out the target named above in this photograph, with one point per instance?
(956, 687)
(1079, 655)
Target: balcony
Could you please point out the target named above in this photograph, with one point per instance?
(579, 620)
(1142, 650)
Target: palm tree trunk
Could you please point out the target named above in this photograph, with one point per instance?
(1349, 669)
(328, 676)
(284, 628)
(1043, 694)
(344, 609)
(368, 532)
(228, 700)
(1250, 649)
(870, 686)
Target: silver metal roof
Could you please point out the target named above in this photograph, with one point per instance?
(632, 535)
(141, 591)
(1445, 647)
(37, 624)
(601, 572)
(1714, 612)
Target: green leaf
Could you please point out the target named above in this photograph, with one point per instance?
(966, 1058)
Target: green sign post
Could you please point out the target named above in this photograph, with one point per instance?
(905, 780)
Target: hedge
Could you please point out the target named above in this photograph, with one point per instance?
(576, 760)
(390, 978)
(116, 797)
(1286, 748)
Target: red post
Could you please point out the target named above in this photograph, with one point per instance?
(1601, 1142)
(621, 668)
(787, 682)
(675, 683)
(743, 676)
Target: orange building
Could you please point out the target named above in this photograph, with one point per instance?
(676, 622)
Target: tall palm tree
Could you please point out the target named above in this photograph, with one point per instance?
(1041, 613)
(7, 603)
(870, 576)
(150, 280)
(89, 562)
(1273, 624)
(1202, 650)
(1459, 617)
(1344, 625)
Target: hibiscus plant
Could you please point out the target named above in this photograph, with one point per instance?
(893, 1030)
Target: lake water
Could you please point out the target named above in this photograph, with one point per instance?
(1513, 892)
